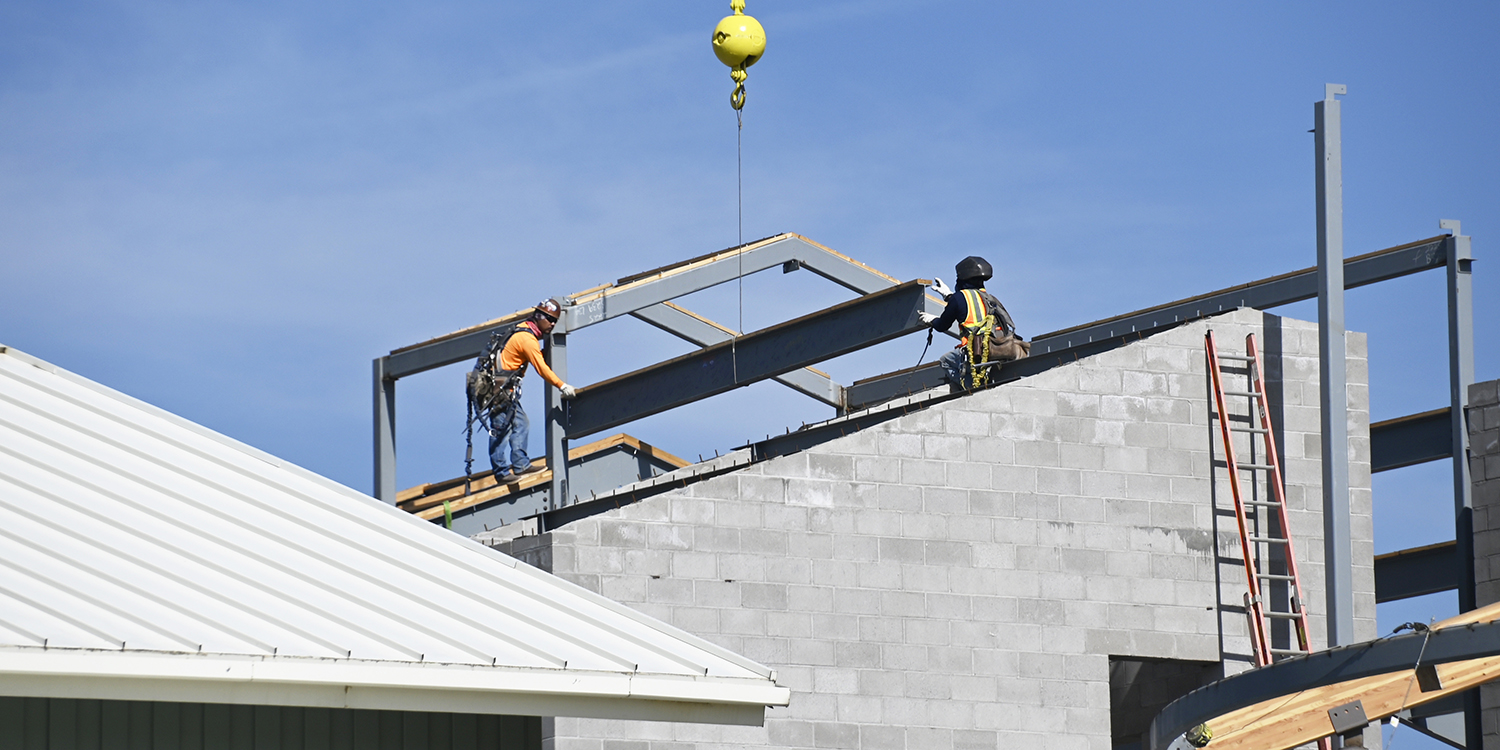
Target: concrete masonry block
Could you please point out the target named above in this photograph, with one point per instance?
(898, 549)
(626, 589)
(792, 518)
(966, 423)
(1127, 409)
(1037, 402)
(945, 447)
(769, 490)
(970, 475)
(1127, 564)
(1086, 508)
(694, 565)
(718, 594)
(993, 555)
(857, 548)
(1170, 410)
(1128, 459)
(816, 493)
(900, 445)
(880, 575)
(821, 466)
(811, 599)
(1486, 393)
(1077, 456)
(1018, 529)
(1106, 536)
(768, 542)
(1037, 454)
(1146, 435)
(870, 469)
(920, 472)
(1037, 507)
(742, 567)
(648, 562)
(598, 560)
(949, 553)
(698, 538)
(1059, 481)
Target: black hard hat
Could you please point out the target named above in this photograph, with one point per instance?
(974, 267)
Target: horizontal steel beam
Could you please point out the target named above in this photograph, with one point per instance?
(1413, 439)
(1071, 344)
(705, 332)
(1415, 572)
(654, 287)
(1322, 668)
(1264, 294)
(750, 358)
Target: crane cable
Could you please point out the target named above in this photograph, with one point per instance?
(739, 41)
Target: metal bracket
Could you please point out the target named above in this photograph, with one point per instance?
(1451, 224)
(1428, 678)
(1329, 89)
(1348, 717)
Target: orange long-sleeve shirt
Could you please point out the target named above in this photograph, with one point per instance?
(523, 348)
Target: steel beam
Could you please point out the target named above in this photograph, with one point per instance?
(1410, 440)
(654, 287)
(829, 333)
(557, 430)
(1415, 572)
(1338, 549)
(385, 433)
(704, 332)
(1264, 294)
(1331, 667)
(1460, 377)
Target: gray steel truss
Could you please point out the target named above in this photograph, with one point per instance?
(646, 296)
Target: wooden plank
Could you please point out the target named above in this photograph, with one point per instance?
(452, 490)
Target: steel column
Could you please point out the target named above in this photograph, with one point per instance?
(764, 354)
(385, 433)
(1460, 377)
(557, 415)
(1338, 555)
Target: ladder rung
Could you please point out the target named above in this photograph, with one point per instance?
(1262, 503)
(1258, 467)
(1283, 615)
(1235, 357)
(1256, 430)
(1267, 540)
(1287, 652)
(1242, 393)
(1273, 577)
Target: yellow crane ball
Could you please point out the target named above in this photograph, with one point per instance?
(739, 40)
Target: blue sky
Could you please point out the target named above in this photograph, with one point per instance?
(229, 209)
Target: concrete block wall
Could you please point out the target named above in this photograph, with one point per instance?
(1484, 473)
(960, 577)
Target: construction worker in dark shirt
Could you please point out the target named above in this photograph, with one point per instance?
(989, 333)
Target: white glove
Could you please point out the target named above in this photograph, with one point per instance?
(941, 288)
(926, 318)
(568, 391)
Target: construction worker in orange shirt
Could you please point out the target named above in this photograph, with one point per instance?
(509, 427)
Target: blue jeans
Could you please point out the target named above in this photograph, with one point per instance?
(509, 428)
(956, 367)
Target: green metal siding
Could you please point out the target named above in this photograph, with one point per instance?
(67, 724)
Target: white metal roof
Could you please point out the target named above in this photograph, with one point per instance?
(143, 556)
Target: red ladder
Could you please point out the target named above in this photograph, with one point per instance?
(1262, 519)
